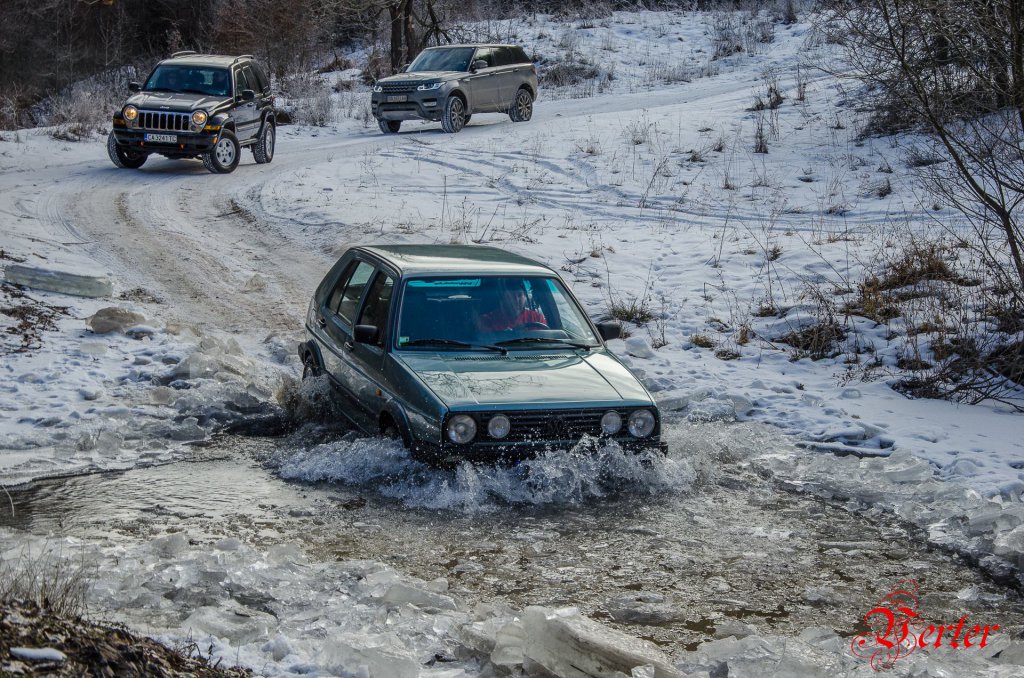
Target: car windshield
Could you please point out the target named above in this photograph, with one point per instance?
(189, 80)
(490, 313)
(443, 59)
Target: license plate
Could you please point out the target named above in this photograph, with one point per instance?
(162, 138)
(397, 98)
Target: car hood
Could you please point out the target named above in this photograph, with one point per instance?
(421, 76)
(464, 380)
(174, 101)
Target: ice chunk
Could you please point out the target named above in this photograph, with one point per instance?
(401, 592)
(279, 647)
(170, 545)
(643, 608)
(113, 319)
(38, 654)
(369, 656)
(162, 395)
(571, 646)
(733, 627)
(638, 347)
(64, 282)
(238, 625)
(94, 348)
(508, 645)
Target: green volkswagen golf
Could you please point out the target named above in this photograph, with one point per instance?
(469, 352)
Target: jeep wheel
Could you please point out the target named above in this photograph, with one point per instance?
(263, 149)
(389, 126)
(223, 159)
(310, 368)
(522, 107)
(454, 118)
(122, 158)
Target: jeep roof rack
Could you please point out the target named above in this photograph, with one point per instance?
(182, 53)
(243, 56)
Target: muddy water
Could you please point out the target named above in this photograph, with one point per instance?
(675, 554)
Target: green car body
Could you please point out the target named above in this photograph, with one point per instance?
(375, 327)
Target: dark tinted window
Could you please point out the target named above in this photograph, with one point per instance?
(254, 84)
(261, 78)
(519, 56)
(241, 82)
(503, 56)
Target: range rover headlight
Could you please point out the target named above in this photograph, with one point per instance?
(427, 86)
(611, 423)
(199, 118)
(461, 429)
(499, 426)
(641, 423)
(378, 88)
(130, 113)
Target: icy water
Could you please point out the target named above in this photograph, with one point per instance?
(673, 550)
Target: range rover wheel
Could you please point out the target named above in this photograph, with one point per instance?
(389, 126)
(263, 149)
(465, 121)
(454, 118)
(223, 159)
(522, 107)
(122, 158)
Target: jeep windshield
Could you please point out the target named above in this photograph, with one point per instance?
(485, 313)
(204, 80)
(442, 59)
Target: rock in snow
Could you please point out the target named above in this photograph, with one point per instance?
(113, 319)
(62, 282)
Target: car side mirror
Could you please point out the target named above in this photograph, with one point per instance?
(134, 87)
(477, 65)
(365, 334)
(609, 330)
(248, 95)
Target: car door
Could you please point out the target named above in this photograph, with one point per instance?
(338, 318)
(484, 83)
(245, 111)
(369, 385)
(506, 74)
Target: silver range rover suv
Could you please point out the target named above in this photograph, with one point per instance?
(451, 83)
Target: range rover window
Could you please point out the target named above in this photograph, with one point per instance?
(519, 56)
(486, 54)
(503, 56)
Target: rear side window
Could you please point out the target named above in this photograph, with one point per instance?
(261, 78)
(519, 56)
(241, 82)
(344, 299)
(503, 56)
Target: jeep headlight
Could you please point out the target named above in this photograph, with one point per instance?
(461, 429)
(199, 118)
(427, 86)
(378, 88)
(130, 113)
(641, 423)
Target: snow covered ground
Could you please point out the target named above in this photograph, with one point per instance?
(643, 188)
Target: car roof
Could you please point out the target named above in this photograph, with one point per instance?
(442, 259)
(206, 60)
(475, 44)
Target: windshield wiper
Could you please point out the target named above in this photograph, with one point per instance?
(544, 340)
(453, 342)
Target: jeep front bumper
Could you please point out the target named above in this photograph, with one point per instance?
(186, 144)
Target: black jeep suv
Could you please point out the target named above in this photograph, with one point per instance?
(197, 106)
(449, 84)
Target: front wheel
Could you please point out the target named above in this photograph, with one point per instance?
(124, 159)
(389, 126)
(263, 149)
(522, 107)
(454, 118)
(223, 159)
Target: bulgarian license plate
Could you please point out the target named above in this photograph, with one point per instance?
(162, 138)
(397, 98)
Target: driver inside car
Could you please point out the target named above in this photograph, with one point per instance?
(511, 311)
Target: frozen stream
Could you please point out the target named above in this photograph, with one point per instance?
(679, 552)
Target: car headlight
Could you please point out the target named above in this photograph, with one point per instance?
(130, 113)
(199, 118)
(499, 426)
(378, 88)
(611, 423)
(461, 429)
(641, 423)
(427, 86)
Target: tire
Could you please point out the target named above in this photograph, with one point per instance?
(454, 118)
(223, 159)
(466, 119)
(522, 106)
(124, 159)
(263, 149)
(389, 126)
(310, 368)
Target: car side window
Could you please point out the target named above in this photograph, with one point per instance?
(519, 56)
(485, 53)
(241, 82)
(251, 79)
(345, 298)
(261, 78)
(378, 301)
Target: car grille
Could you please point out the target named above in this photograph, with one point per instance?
(549, 424)
(162, 120)
(399, 87)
